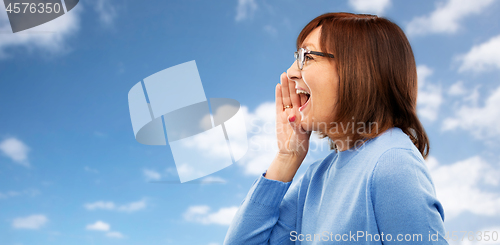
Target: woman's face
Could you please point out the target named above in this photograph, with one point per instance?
(319, 78)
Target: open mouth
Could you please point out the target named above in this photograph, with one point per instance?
(304, 98)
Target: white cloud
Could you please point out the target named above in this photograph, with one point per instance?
(482, 57)
(100, 205)
(271, 30)
(429, 95)
(28, 192)
(8, 194)
(100, 135)
(187, 170)
(482, 122)
(262, 142)
(151, 174)
(103, 205)
(31, 222)
(446, 17)
(15, 150)
(106, 11)
(171, 171)
(460, 186)
(457, 89)
(114, 234)
(245, 9)
(201, 214)
(98, 226)
(370, 6)
(209, 144)
(49, 37)
(133, 206)
(104, 227)
(213, 179)
(473, 97)
(91, 170)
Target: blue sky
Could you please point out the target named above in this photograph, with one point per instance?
(71, 171)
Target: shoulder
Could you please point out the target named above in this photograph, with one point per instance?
(400, 181)
(396, 163)
(396, 160)
(401, 173)
(396, 152)
(389, 139)
(391, 143)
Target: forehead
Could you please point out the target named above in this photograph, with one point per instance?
(312, 40)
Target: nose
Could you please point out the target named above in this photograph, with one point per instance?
(293, 72)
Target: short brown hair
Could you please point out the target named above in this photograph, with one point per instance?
(378, 76)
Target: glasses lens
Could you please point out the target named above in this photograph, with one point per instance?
(296, 55)
(301, 58)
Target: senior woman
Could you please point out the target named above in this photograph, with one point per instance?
(354, 81)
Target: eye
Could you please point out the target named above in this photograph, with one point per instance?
(308, 57)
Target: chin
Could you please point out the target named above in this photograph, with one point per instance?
(307, 126)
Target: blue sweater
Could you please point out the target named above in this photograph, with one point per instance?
(382, 191)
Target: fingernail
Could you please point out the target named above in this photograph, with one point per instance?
(292, 119)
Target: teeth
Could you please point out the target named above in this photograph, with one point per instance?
(300, 91)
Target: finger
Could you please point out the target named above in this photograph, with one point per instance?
(285, 91)
(294, 97)
(279, 100)
(295, 124)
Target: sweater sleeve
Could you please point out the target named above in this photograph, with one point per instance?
(404, 199)
(267, 215)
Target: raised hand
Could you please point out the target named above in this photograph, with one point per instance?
(293, 140)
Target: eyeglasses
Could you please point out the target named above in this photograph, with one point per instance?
(300, 56)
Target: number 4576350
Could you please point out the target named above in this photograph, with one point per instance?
(33, 8)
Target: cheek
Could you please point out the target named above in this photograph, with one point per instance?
(326, 104)
(327, 98)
